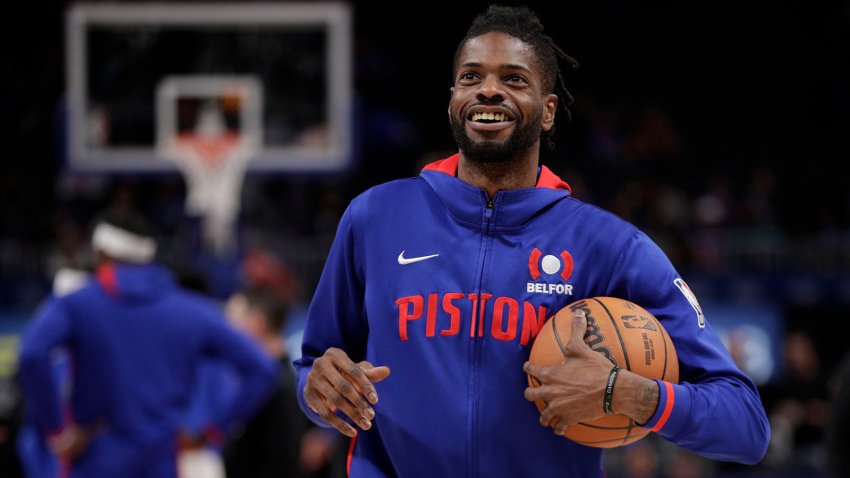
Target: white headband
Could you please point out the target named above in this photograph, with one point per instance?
(123, 245)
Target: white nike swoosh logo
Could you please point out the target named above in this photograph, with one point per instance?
(410, 260)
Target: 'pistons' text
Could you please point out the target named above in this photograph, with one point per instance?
(504, 318)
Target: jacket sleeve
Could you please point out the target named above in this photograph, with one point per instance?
(256, 374)
(49, 330)
(335, 317)
(715, 409)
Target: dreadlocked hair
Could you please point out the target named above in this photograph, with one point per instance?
(524, 25)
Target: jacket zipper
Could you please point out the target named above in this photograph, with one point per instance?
(478, 318)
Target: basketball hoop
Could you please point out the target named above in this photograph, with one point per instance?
(210, 127)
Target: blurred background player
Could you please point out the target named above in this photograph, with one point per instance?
(35, 457)
(798, 407)
(270, 443)
(279, 440)
(838, 427)
(135, 339)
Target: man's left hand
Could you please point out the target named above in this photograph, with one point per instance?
(71, 442)
(574, 389)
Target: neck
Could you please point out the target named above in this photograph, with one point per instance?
(518, 173)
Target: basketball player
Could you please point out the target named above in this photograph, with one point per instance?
(134, 341)
(270, 445)
(445, 279)
(35, 456)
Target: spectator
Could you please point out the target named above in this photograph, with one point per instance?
(270, 445)
(838, 428)
(798, 408)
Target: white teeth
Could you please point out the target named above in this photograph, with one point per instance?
(489, 116)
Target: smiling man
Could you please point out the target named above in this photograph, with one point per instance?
(445, 279)
(500, 104)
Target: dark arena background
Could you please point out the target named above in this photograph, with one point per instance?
(722, 129)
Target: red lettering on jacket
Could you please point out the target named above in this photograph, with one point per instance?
(498, 329)
(478, 316)
(504, 316)
(405, 314)
(431, 321)
(453, 311)
(531, 322)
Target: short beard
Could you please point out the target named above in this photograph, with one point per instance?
(497, 152)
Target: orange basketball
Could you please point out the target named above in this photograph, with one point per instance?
(625, 333)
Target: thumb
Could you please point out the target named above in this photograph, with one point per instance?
(576, 342)
(373, 373)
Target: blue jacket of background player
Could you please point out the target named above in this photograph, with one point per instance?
(448, 288)
(134, 341)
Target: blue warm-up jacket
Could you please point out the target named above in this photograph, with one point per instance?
(448, 288)
(134, 342)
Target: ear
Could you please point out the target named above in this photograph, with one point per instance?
(451, 93)
(550, 106)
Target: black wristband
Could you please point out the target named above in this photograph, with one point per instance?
(609, 390)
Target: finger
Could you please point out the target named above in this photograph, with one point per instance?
(333, 391)
(361, 382)
(377, 374)
(531, 369)
(341, 394)
(548, 416)
(347, 379)
(353, 396)
(540, 373)
(327, 412)
(324, 407)
(536, 393)
(338, 423)
(373, 373)
(559, 427)
(576, 344)
(548, 419)
(316, 401)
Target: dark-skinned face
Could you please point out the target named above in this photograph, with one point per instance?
(498, 108)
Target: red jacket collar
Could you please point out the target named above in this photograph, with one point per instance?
(545, 179)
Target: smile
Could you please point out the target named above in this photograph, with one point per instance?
(489, 117)
(488, 121)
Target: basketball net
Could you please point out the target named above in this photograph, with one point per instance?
(210, 127)
(213, 160)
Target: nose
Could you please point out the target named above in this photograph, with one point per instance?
(490, 90)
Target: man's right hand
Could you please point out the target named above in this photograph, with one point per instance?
(336, 383)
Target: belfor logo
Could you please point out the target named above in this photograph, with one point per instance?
(550, 264)
(560, 266)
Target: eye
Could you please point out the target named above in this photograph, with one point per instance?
(467, 76)
(516, 79)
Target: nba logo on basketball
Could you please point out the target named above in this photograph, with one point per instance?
(549, 266)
